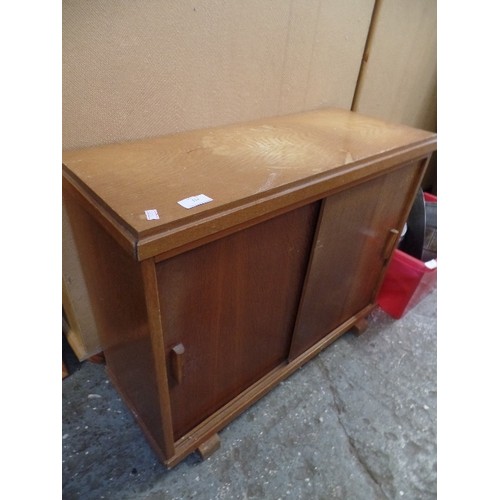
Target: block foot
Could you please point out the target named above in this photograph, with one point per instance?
(210, 446)
(360, 326)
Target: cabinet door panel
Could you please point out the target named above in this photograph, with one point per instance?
(229, 310)
(348, 256)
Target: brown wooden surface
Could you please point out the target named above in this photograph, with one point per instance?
(360, 326)
(318, 47)
(232, 304)
(235, 165)
(231, 297)
(227, 413)
(117, 293)
(209, 447)
(160, 391)
(350, 252)
(98, 359)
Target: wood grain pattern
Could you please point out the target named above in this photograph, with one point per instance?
(159, 391)
(232, 305)
(118, 85)
(349, 253)
(246, 169)
(201, 314)
(118, 300)
(235, 407)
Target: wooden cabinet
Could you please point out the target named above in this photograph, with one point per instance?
(356, 233)
(202, 310)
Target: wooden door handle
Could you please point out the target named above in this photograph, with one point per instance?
(177, 358)
(391, 242)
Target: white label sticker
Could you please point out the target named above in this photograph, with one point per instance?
(152, 214)
(431, 264)
(194, 201)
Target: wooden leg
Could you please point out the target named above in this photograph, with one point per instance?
(360, 326)
(210, 446)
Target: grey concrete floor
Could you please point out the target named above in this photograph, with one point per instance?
(357, 422)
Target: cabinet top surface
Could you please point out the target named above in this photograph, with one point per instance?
(235, 164)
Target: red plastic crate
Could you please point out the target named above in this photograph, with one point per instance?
(407, 281)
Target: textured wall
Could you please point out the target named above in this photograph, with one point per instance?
(398, 82)
(134, 69)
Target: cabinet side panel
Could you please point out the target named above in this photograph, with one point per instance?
(116, 291)
(348, 256)
(232, 304)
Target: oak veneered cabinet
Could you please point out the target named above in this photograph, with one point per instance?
(203, 310)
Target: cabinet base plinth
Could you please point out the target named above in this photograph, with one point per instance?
(210, 446)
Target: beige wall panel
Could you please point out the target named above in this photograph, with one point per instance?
(134, 69)
(82, 335)
(399, 79)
